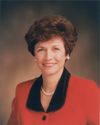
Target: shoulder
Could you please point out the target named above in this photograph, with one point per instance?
(83, 83)
(24, 87)
(25, 84)
(84, 88)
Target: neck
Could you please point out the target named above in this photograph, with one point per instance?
(50, 81)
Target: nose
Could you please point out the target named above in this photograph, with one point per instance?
(49, 55)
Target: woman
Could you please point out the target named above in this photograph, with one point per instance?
(56, 97)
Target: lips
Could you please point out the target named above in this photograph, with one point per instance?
(49, 64)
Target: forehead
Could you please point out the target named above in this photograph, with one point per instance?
(55, 41)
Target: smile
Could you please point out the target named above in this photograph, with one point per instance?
(49, 64)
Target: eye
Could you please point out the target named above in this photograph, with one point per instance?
(40, 49)
(56, 48)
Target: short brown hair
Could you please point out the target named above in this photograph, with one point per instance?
(48, 27)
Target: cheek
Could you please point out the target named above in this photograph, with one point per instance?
(38, 58)
(60, 56)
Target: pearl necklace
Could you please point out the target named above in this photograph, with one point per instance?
(46, 93)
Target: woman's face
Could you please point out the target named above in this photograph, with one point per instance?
(50, 55)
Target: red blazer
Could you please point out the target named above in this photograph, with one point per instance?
(81, 107)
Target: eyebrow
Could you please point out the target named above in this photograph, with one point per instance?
(40, 46)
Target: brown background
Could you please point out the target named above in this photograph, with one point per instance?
(17, 65)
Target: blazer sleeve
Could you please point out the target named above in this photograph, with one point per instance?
(19, 100)
(92, 103)
(13, 120)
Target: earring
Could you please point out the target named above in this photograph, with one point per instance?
(68, 57)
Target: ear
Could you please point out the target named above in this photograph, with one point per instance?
(35, 59)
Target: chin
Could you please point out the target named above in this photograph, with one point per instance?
(50, 71)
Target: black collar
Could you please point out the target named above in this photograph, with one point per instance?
(58, 98)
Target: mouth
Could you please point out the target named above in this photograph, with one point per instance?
(49, 64)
